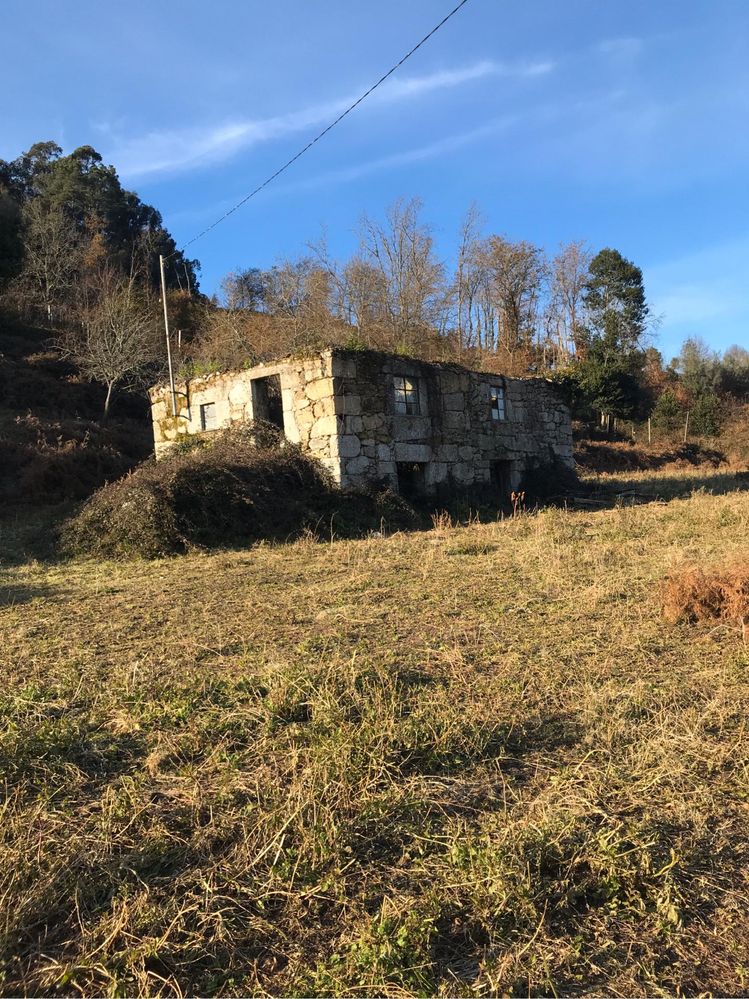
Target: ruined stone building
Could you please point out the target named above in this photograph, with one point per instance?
(375, 418)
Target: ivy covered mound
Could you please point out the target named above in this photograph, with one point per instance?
(246, 485)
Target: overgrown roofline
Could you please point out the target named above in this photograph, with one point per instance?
(337, 351)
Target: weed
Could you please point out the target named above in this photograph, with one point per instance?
(694, 593)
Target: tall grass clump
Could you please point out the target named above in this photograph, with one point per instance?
(694, 594)
(244, 485)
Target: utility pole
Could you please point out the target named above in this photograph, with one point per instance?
(168, 344)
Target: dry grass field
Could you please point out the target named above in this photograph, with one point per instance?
(469, 761)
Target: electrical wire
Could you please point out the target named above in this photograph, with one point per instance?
(325, 131)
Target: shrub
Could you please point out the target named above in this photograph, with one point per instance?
(668, 412)
(694, 594)
(706, 418)
(45, 461)
(242, 486)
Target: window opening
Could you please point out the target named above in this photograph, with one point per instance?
(208, 419)
(406, 395)
(499, 403)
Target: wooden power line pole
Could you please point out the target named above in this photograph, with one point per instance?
(168, 344)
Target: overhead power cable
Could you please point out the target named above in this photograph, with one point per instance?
(327, 129)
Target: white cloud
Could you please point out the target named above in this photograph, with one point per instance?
(347, 174)
(395, 160)
(160, 152)
(395, 88)
(180, 149)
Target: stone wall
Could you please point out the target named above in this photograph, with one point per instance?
(453, 434)
(307, 396)
(340, 407)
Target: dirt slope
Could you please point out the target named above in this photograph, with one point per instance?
(52, 445)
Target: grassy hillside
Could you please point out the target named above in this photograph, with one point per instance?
(468, 761)
(729, 449)
(53, 447)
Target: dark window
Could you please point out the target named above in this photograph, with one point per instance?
(411, 478)
(499, 404)
(267, 403)
(406, 395)
(208, 420)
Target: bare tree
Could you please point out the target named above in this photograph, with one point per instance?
(52, 255)
(357, 292)
(244, 288)
(569, 274)
(364, 299)
(299, 294)
(411, 278)
(227, 338)
(117, 338)
(516, 275)
(469, 276)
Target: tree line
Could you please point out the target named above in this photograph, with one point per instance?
(508, 306)
(80, 253)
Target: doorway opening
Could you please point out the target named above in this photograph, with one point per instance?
(411, 479)
(267, 403)
(500, 473)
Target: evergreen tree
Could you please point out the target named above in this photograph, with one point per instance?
(614, 301)
(669, 412)
(90, 195)
(609, 378)
(706, 417)
(11, 243)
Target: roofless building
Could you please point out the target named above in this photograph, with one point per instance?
(374, 418)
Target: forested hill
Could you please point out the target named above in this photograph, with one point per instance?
(65, 217)
(79, 333)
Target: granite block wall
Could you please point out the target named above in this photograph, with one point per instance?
(452, 434)
(340, 406)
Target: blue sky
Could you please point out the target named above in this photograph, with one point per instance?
(623, 124)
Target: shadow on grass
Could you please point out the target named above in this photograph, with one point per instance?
(32, 536)
(505, 742)
(665, 487)
(576, 885)
(437, 779)
(10, 596)
(58, 742)
(624, 456)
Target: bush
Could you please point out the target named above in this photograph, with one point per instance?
(668, 413)
(45, 461)
(706, 418)
(694, 594)
(244, 485)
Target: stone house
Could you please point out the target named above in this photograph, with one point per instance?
(380, 418)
